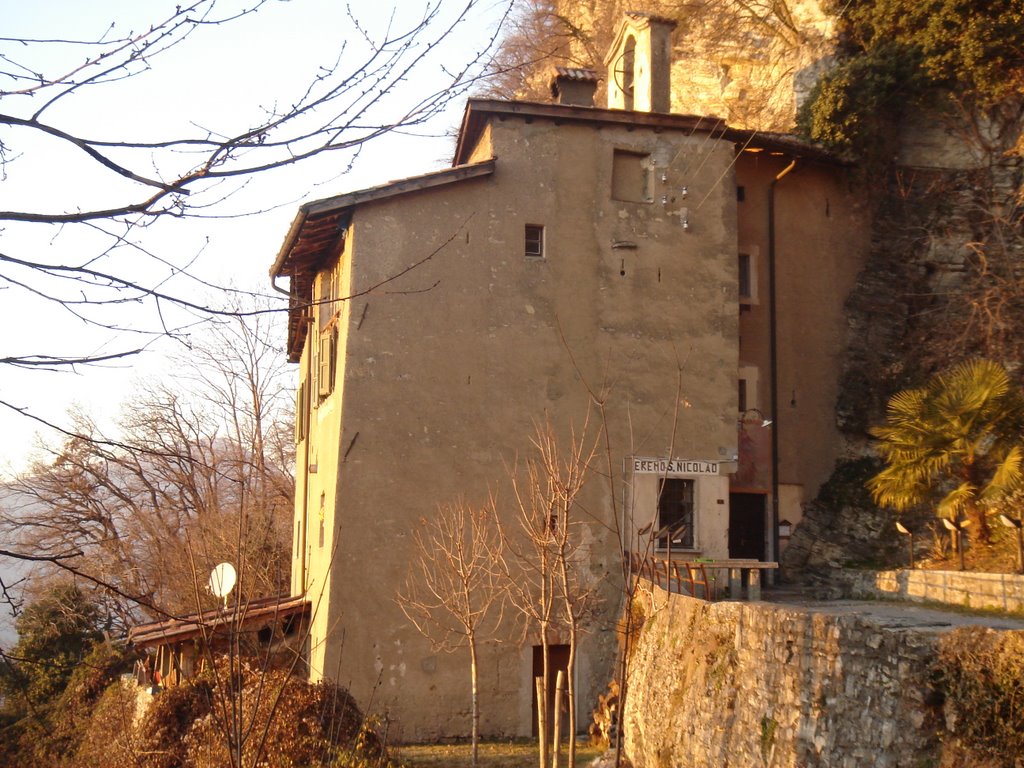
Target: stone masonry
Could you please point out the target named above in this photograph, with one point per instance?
(843, 685)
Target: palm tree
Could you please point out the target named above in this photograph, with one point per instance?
(957, 440)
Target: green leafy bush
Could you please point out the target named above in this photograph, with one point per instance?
(899, 55)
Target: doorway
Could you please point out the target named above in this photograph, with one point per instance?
(558, 659)
(747, 525)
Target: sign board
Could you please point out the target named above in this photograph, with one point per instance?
(669, 467)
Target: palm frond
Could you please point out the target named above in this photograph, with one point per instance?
(965, 427)
(1006, 476)
(957, 500)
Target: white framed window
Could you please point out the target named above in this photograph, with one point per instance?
(328, 304)
(328, 311)
(327, 361)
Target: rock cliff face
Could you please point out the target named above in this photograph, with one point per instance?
(749, 63)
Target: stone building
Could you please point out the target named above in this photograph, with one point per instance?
(692, 274)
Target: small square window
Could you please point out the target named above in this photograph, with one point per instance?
(631, 176)
(534, 241)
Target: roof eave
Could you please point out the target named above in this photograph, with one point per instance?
(479, 111)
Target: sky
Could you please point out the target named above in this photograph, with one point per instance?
(222, 79)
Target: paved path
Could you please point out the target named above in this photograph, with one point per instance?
(892, 614)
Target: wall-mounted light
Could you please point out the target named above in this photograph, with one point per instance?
(956, 532)
(907, 532)
(1015, 522)
(765, 421)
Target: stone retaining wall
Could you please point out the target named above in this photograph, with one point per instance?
(997, 591)
(754, 684)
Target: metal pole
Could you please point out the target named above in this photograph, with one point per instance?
(773, 346)
(1020, 549)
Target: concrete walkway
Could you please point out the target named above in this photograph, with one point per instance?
(891, 614)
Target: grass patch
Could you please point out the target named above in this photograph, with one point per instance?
(493, 754)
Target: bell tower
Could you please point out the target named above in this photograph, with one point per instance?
(639, 64)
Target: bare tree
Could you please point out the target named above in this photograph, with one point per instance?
(214, 465)
(546, 581)
(453, 592)
(568, 472)
(537, 37)
(90, 253)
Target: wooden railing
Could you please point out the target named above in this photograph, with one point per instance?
(690, 577)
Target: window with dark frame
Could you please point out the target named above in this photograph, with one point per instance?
(301, 412)
(675, 509)
(534, 241)
(745, 277)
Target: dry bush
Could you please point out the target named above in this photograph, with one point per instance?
(981, 673)
(161, 734)
(108, 741)
(282, 720)
(287, 721)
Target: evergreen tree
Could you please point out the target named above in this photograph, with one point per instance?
(54, 634)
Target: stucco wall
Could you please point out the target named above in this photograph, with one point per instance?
(821, 240)
(446, 371)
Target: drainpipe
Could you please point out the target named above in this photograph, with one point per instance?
(773, 347)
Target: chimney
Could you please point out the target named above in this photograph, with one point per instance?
(574, 87)
(639, 64)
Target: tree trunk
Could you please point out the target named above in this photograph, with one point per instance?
(542, 723)
(976, 514)
(556, 731)
(475, 705)
(542, 709)
(571, 694)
